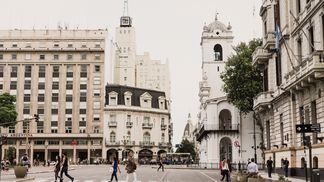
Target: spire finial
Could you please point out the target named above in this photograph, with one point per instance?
(216, 15)
(189, 115)
(125, 13)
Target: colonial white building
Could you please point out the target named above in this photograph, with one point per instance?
(138, 121)
(188, 133)
(222, 132)
(293, 80)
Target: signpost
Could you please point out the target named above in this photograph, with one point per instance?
(308, 128)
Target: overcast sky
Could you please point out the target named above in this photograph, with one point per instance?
(168, 29)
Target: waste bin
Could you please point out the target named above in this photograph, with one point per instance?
(316, 175)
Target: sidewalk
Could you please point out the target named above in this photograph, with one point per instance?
(275, 176)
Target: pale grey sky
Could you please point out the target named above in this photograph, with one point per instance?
(168, 29)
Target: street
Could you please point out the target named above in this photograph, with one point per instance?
(100, 173)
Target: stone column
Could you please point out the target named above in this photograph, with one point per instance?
(74, 154)
(46, 151)
(17, 152)
(60, 148)
(88, 158)
(31, 154)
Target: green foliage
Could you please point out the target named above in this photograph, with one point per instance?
(187, 147)
(242, 81)
(7, 109)
(11, 154)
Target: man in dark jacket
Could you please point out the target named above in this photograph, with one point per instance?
(286, 166)
(269, 166)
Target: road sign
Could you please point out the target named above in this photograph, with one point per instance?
(237, 143)
(308, 128)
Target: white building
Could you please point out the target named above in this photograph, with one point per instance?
(293, 81)
(136, 70)
(222, 133)
(138, 121)
(188, 133)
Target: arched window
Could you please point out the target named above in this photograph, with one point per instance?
(162, 137)
(302, 162)
(225, 120)
(146, 137)
(218, 52)
(315, 162)
(112, 137)
(128, 136)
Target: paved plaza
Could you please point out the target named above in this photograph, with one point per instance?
(101, 173)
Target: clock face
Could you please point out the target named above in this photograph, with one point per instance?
(125, 21)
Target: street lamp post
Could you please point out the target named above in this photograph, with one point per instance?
(254, 138)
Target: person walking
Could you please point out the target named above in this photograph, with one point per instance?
(221, 168)
(286, 166)
(229, 169)
(65, 168)
(115, 169)
(252, 168)
(160, 163)
(57, 167)
(131, 168)
(225, 169)
(269, 166)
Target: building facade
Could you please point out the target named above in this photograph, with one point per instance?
(58, 74)
(136, 70)
(292, 61)
(138, 122)
(188, 132)
(222, 131)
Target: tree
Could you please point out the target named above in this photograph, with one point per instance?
(187, 147)
(8, 113)
(11, 154)
(242, 81)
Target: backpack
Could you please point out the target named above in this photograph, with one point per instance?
(25, 158)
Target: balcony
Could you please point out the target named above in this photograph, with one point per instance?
(217, 128)
(129, 143)
(144, 144)
(112, 123)
(269, 41)
(306, 73)
(163, 126)
(112, 144)
(263, 99)
(147, 125)
(260, 56)
(129, 124)
(164, 145)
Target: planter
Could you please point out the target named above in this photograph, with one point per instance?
(20, 171)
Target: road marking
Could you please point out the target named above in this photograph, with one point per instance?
(208, 176)
(162, 178)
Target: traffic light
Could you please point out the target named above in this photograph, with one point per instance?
(36, 116)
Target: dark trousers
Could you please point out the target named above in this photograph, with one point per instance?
(225, 173)
(269, 172)
(65, 171)
(286, 172)
(56, 174)
(114, 174)
(161, 166)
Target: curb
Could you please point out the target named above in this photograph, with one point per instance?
(25, 179)
(204, 169)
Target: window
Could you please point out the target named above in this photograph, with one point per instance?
(54, 111)
(27, 56)
(97, 57)
(14, 45)
(13, 85)
(299, 49)
(41, 86)
(113, 101)
(307, 121)
(1, 45)
(14, 70)
(56, 71)
(70, 45)
(69, 57)
(277, 13)
(146, 137)
(278, 69)
(41, 71)
(55, 85)
(302, 163)
(97, 45)
(96, 129)
(125, 78)
(26, 110)
(83, 72)
(56, 45)
(146, 119)
(281, 129)
(53, 130)
(68, 111)
(69, 98)
(301, 114)
(83, 111)
(83, 96)
(40, 111)
(42, 57)
(54, 123)
(314, 119)
(1, 70)
(323, 32)
(83, 56)
(56, 57)
(1, 56)
(26, 97)
(83, 86)
(12, 129)
(28, 69)
(68, 129)
(311, 39)
(265, 28)
(69, 72)
(40, 127)
(298, 6)
(53, 142)
(163, 137)
(218, 52)
(13, 56)
(315, 162)
(84, 45)
(268, 134)
(69, 85)
(55, 97)
(112, 137)
(41, 98)
(27, 84)
(265, 79)
(97, 68)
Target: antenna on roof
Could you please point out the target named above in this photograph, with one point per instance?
(125, 13)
